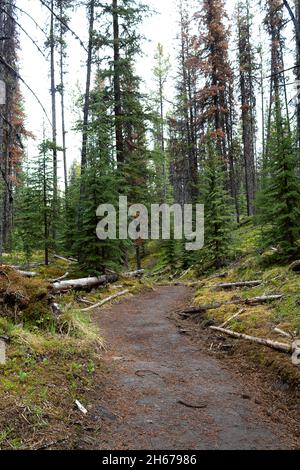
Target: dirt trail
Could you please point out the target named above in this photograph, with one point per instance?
(164, 393)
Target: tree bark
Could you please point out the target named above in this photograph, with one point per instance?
(248, 103)
(84, 284)
(54, 122)
(117, 85)
(62, 95)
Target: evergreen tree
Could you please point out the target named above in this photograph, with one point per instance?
(279, 200)
(218, 210)
(35, 210)
(100, 181)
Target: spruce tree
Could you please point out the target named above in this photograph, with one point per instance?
(279, 200)
(218, 209)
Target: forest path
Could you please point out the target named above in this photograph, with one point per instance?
(156, 372)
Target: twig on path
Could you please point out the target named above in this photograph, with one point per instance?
(105, 301)
(53, 443)
(146, 371)
(189, 405)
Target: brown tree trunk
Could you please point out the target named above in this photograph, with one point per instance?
(248, 103)
(117, 85)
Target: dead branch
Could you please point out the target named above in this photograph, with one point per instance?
(19, 77)
(24, 31)
(283, 347)
(66, 260)
(188, 405)
(61, 278)
(186, 272)
(105, 301)
(283, 333)
(232, 318)
(63, 23)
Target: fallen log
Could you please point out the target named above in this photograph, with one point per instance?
(84, 284)
(283, 347)
(105, 301)
(253, 301)
(27, 273)
(233, 285)
(28, 266)
(263, 299)
(21, 272)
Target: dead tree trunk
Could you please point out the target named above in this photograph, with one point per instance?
(86, 109)
(84, 284)
(62, 95)
(53, 107)
(248, 103)
(117, 85)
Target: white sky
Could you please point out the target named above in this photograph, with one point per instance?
(161, 27)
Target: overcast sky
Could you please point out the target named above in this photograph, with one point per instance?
(161, 27)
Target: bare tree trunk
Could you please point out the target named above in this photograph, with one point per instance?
(62, 94)
(86, 109)
(117, 85)
(54, 123)
(86, 106)
(263, 136)
(46, 226)
(248, 103)
(297, 73)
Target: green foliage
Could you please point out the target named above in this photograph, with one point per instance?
(279, 200)
(35, 205)
(218, 211)
(100, 186)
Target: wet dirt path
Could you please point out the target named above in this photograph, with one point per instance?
(163, 393)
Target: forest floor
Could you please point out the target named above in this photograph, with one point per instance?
(163, 382)
(166, 390)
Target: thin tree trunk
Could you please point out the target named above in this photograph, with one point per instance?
(86, 109)
(45, 202)
(248, 100)
(117, 85)
(54, 123)
(86, 106)
(62, 91)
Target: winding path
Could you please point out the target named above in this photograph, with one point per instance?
(163, 393)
